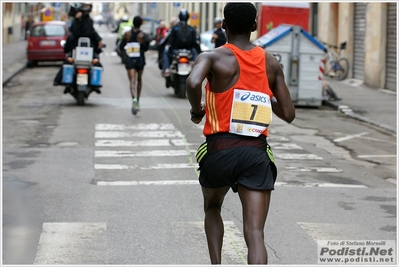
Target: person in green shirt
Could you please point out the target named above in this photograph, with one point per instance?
(125, 22)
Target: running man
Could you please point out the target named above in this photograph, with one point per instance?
(245, 86)
(135, 42)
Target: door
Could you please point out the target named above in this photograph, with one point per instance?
(391, 71)
(359, 37)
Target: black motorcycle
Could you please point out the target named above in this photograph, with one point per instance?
(82, 76)
(180, 69)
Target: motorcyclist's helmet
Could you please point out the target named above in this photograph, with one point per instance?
(184, 15)
(125, 18)
(86, 7)
(217, 20)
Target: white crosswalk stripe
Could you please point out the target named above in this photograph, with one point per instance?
(116, 138)
(72, 243)
(78, 243)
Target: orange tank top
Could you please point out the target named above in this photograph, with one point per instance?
(245, 108)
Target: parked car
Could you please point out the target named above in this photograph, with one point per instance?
(45, 41)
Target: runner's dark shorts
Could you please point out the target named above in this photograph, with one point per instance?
(134, 63)
(245, 162)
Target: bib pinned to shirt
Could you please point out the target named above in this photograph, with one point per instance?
(251, 113)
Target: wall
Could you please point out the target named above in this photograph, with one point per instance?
(11, 17)
(327, 29)
(336, 25)
(375, 45)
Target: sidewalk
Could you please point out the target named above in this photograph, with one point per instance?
(14, 59)
(358, 101)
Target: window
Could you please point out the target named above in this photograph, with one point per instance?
(8, 7)
(48, 30)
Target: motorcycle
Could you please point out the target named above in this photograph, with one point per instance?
(180, 69)
(82, 75)
(122, 53)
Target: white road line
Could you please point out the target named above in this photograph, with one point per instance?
(320, 185)
(139, 126)
(149, 167)
(130, 154)
(143, 143)
(376, 156)
(148, 134)
(164, 182)
(234, 250)
(195, 182)
(284, 146)
(277, 138)
(348, 137)
(297, 156)
(71, 243)
(313, 169)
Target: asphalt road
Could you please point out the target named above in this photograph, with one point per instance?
(97, 185)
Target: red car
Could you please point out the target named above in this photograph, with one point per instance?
(45, 41)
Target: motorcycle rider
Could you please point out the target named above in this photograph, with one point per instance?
(82, 26)
(174, 46)
(125, 22)
(164, 43)
(162, 31)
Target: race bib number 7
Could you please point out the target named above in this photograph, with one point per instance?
(251, 113)
(133, 49)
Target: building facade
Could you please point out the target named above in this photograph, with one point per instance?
(370, 30)
(15, 15)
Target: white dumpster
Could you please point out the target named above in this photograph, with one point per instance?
(302, 58)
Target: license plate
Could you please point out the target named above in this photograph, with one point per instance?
(184, 67)
(82, 79)
(47, 43)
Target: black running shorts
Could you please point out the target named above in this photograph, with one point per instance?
(249, 166)
(136, 63)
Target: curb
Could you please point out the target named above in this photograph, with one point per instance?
(13, 74)
(347, 111)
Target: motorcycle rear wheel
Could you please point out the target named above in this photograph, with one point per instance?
(80, 98)
(181, 90)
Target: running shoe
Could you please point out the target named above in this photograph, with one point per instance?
(138, 105)
(134, 106)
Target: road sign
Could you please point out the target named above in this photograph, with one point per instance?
(57, 5)
(48, 14)
(153, 5)
(176, 4)
(194, 19)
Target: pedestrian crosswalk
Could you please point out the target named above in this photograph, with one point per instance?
(164, 140)
(83, 242)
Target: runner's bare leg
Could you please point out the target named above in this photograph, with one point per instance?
(255, 206)
(132, 74)
(214, 228)
(139, 82)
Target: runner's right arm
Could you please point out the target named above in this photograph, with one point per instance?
(202, 66)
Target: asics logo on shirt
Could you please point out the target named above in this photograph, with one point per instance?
(255, 97)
